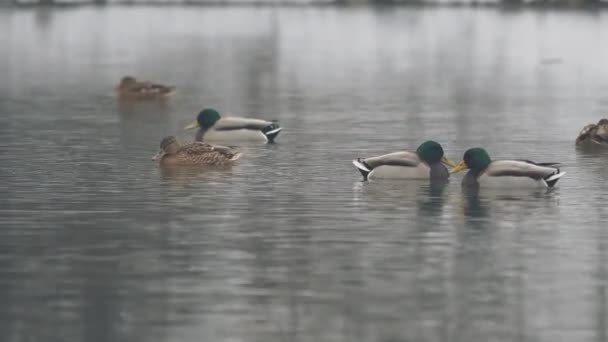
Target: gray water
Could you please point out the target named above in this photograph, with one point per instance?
(98, 244)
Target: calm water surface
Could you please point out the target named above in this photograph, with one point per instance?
(98, 244)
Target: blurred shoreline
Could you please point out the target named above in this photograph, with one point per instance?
(499, 4)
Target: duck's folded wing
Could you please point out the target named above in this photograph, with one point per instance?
(161, 88)
(225, 150)
(139, 86)
(210, 153)
(520, 168)
(550, 164)
(407, 159)
(233, 123)
(196, 148)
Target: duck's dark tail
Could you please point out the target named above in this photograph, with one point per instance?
(362, 167)
(271, 131)
(553, 178)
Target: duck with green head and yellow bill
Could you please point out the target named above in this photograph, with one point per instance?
(427, 162)
(172, 153)
(213, 127)
(484, 172)
(594, 135)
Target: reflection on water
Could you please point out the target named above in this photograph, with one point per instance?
(187, 174)
(99, 244)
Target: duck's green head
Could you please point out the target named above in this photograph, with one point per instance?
(431, 152)
(205, 119)
(475, 159)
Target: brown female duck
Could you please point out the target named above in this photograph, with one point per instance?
(196, 153)
(594, 134)
(129, 87)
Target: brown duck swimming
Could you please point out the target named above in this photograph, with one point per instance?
(130, 88)
(594, 134)
(195, 153)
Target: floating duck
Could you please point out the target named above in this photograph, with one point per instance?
(213, 127)
(594, 134)
(130, 88)
(505, 173)
(428, 162)
(197, 153)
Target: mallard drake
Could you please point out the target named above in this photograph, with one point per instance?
(196, 153)
(129, 87)
(505, 173)
(594, 134)
(213, 127)
(428, 162)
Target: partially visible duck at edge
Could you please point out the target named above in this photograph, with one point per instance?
(213, 127)
(172, 153)
(594, 135)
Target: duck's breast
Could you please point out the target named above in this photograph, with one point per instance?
(170, 160)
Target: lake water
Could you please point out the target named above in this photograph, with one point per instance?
(98, 244)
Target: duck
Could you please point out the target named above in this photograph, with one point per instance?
(129, 87)
(594, 134)
(213, 127)
(485, 172)
(196, 153)
(427, 162)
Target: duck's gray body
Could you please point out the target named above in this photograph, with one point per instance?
(400, 165)
(513, 174)
(236, 129)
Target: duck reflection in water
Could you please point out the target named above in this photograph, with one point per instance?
(193, 172)
(141, 109)
(592, 151)
(431, 198)
(483, 208)
(474, 206)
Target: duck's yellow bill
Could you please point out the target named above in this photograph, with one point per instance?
(445, 161)
(194, 124)
(460, 167)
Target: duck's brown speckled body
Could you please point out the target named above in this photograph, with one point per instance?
(195, 153)
(130, 88)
